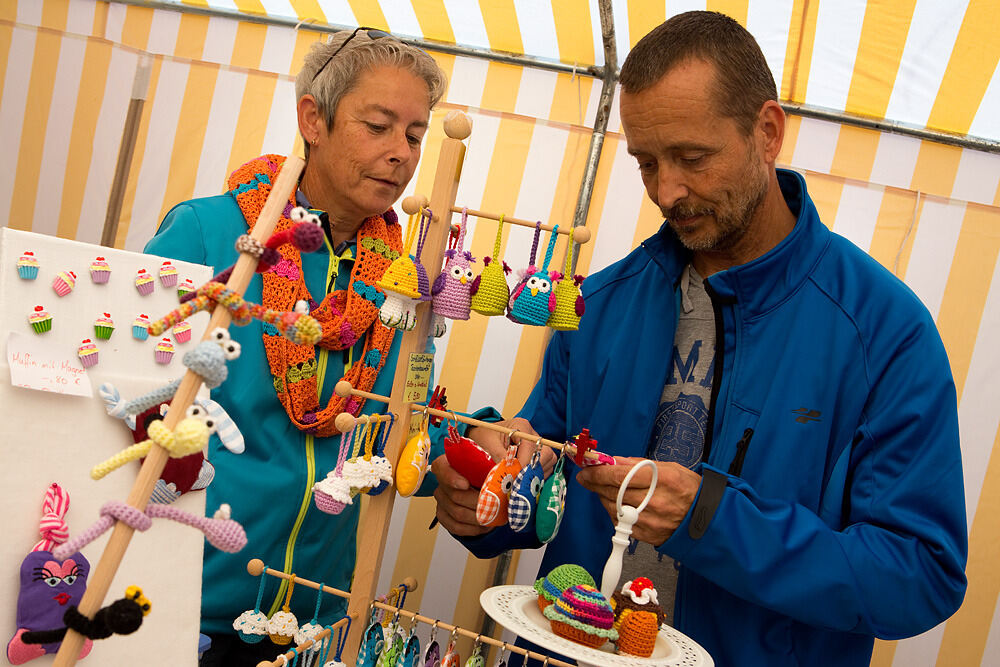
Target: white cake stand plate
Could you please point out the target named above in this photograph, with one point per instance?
(516, 609)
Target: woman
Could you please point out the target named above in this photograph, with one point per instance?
(364, 100)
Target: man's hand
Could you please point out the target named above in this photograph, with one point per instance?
(456, 501)
(676, 488)
(495, 443)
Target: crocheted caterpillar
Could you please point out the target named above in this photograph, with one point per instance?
(221, 531)
(190, 436)
(299, 328)
(306, 235)
(121, 617)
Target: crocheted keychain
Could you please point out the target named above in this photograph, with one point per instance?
(470, 460)
(551, 503)
(410, 657)
(413, 461)
(524, 495)
(48, 584)
(476, 659)
(251, 626)
(432, 654)
(338, 660)
(453, 287)
(569, 301)
(490, 290)
(392, 651)
(372, 642)
(532, 301)
(283, 625)
(451, 656)
(491, 509)
(405, 281)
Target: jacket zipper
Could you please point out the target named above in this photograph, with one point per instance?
(720, 344)
(310, 452)
(736, 467)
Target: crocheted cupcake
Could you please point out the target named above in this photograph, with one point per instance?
(551, 587)
(251, 626)
(638, 617)
(282, 627)
(40, 320)
(100, 272)
(182, 332)
(104, 326)
(144, 282)
(64, 282)
(168, 274)
(140, 327)
(164, 351)
(582, 615)
(88, 353)
(27, 266)
(185, 287)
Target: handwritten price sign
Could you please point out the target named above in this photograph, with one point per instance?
(418, 377)
(34, 365)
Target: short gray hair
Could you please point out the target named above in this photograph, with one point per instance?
(341, 74)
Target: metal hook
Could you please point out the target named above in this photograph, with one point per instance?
(434, 631)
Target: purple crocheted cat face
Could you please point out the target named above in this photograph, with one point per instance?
(48, 588)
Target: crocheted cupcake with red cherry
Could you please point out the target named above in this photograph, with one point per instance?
(583, 615)
(638, 617)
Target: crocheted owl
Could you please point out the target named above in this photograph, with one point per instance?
(452, 289)
(494, 497)
(533, 301)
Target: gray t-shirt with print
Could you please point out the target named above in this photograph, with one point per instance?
(681, 420)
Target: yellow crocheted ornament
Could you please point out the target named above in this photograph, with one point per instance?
(490, 291)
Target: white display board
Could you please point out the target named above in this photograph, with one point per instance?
(50, 437)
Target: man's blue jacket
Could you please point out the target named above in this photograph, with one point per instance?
(832, 508)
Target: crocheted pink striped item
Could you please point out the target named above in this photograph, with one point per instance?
(453, 288)
(52, 525)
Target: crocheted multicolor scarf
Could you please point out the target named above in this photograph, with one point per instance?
(345, 315)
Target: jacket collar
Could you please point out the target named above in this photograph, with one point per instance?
(765, 282)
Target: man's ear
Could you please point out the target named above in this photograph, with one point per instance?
(771, 129)
(312, 125)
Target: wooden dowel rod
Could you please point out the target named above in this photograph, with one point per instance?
(473, 635)
(101, 576)
(345, 421)
(580, 234)
(344, 389)
(520, 435)
(257, 568)
(290, 655)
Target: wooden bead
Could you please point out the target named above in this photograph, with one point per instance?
(410, 583)
(581, 234)
(413, 204)
(344, 422)
(457, 125)
(343, 389)
(255, 567)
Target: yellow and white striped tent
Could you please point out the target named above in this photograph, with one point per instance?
(220, 90)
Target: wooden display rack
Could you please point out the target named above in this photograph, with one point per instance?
(372, 538)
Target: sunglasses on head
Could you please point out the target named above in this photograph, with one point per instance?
(373, 33)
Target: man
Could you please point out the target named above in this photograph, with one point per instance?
(805, 422)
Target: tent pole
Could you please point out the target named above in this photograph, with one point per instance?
(140, 88)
